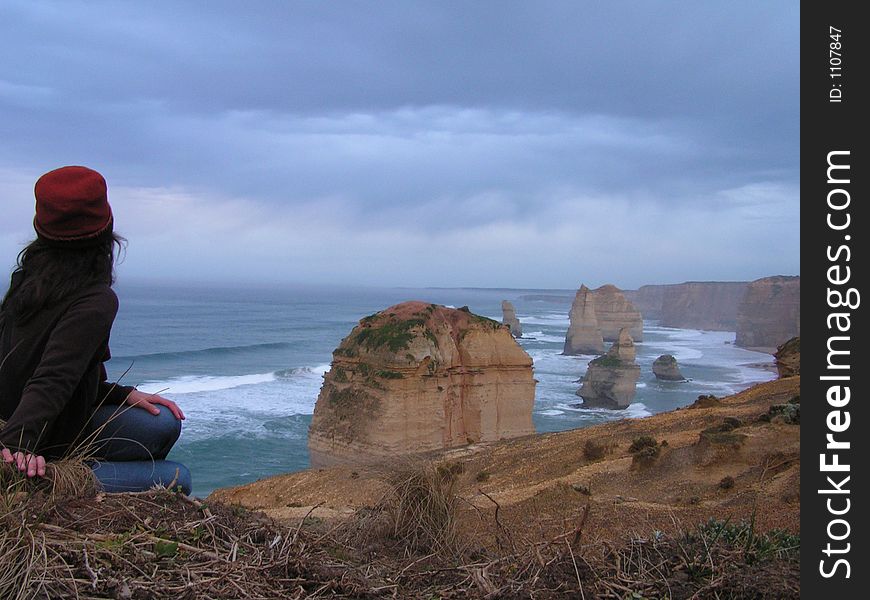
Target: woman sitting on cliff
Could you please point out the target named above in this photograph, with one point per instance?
(55, 321)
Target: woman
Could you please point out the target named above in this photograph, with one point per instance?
(55, 321)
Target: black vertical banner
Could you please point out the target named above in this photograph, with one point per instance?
(835, 424)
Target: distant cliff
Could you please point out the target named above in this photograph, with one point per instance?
(710, 305)
(770, 313)
(417, 377)
(648, 299)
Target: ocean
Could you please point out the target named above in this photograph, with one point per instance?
(246, 365)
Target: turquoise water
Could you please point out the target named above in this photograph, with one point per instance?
(246, 365)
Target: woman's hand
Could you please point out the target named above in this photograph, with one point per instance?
(150, 401)
(33, 464)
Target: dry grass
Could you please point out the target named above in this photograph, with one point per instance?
(417, 514)
(160, 544)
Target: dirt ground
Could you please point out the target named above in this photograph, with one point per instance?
(744, 467)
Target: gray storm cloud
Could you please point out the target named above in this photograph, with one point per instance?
(426, 143)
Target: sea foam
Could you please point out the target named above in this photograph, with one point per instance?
(192, 384)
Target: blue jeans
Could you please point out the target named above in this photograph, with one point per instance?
(129, 446)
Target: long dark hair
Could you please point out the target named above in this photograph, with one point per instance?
(48, 273)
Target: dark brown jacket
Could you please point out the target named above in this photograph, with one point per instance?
(52, 375)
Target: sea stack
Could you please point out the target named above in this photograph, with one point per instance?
(417, 377)
(611, 380)
(584, 334)
(614, 312)
(770, 313)
(509, 318)
(665, 367)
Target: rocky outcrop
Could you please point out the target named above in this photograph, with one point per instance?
(665, 367)
(417, 377)
(615, 312)
(788, 358)
(509, 318)
(611, 380)
(710, 305)
(584, 333)
(770, 313)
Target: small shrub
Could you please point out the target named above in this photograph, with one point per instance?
(727, 425)
(645, 450)
(706, 401)
(593, 450)
(482, 477)
(727, 482)
(787, 413)
(647, 453)
(583, 489)
(642, 442)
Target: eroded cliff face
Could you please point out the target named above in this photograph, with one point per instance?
(509, 318)
(710, 305)
(584, 333)
(770, 313)
(417, 377)
(611, 380)
(615, 312)
(788, 358)
(648, 299)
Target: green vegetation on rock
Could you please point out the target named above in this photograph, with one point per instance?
(605, 361)
(385, 374)
(394, 335)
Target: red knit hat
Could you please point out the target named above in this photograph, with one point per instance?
(72, 207)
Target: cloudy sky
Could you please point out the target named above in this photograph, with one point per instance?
(499, 144)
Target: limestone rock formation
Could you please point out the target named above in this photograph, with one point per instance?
(665, 367)
(417, 377)
(788, 358)
(584, 334)
(509, 318)
(770, 313)
(614, 311)
(709, 305)
(611, 380)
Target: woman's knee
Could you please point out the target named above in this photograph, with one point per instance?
(167, 424)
